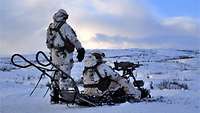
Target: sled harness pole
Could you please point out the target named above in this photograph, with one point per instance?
(41, 66)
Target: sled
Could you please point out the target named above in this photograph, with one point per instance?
(73, 95)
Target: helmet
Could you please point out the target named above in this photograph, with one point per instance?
(99, 55)
(60, 15)
(90, 61)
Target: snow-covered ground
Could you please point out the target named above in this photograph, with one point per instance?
(172, 74)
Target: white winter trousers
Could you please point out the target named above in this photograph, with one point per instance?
(64, 61)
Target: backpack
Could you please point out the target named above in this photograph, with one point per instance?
(104, 82)
(51, 35)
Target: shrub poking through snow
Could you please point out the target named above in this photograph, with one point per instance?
(167, 84)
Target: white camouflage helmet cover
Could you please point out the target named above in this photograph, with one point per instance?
(60, 15)
(90, 61)
(99, 55)
(98, 52)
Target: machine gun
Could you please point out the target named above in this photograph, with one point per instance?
(124, 66)
(128, 68)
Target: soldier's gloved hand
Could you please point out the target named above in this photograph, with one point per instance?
(81, 54)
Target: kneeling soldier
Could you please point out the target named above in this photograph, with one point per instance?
(98, 77)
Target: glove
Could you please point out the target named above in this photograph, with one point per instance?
(81, 54)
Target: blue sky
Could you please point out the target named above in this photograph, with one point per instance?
(177, 7)
(102, 23)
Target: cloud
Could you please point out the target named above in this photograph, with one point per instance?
(175, 32)
(23, 25)
(141, 28)
(183, 25)
(133, 22)
(99, 24)
(183, 42)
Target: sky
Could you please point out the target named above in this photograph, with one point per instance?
(102, 23)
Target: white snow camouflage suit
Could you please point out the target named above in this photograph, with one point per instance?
(90, 77)
(61, 58)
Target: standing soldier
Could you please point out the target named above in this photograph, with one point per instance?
(61, 41)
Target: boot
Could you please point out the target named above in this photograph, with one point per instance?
(54, 97)
(145, 93)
